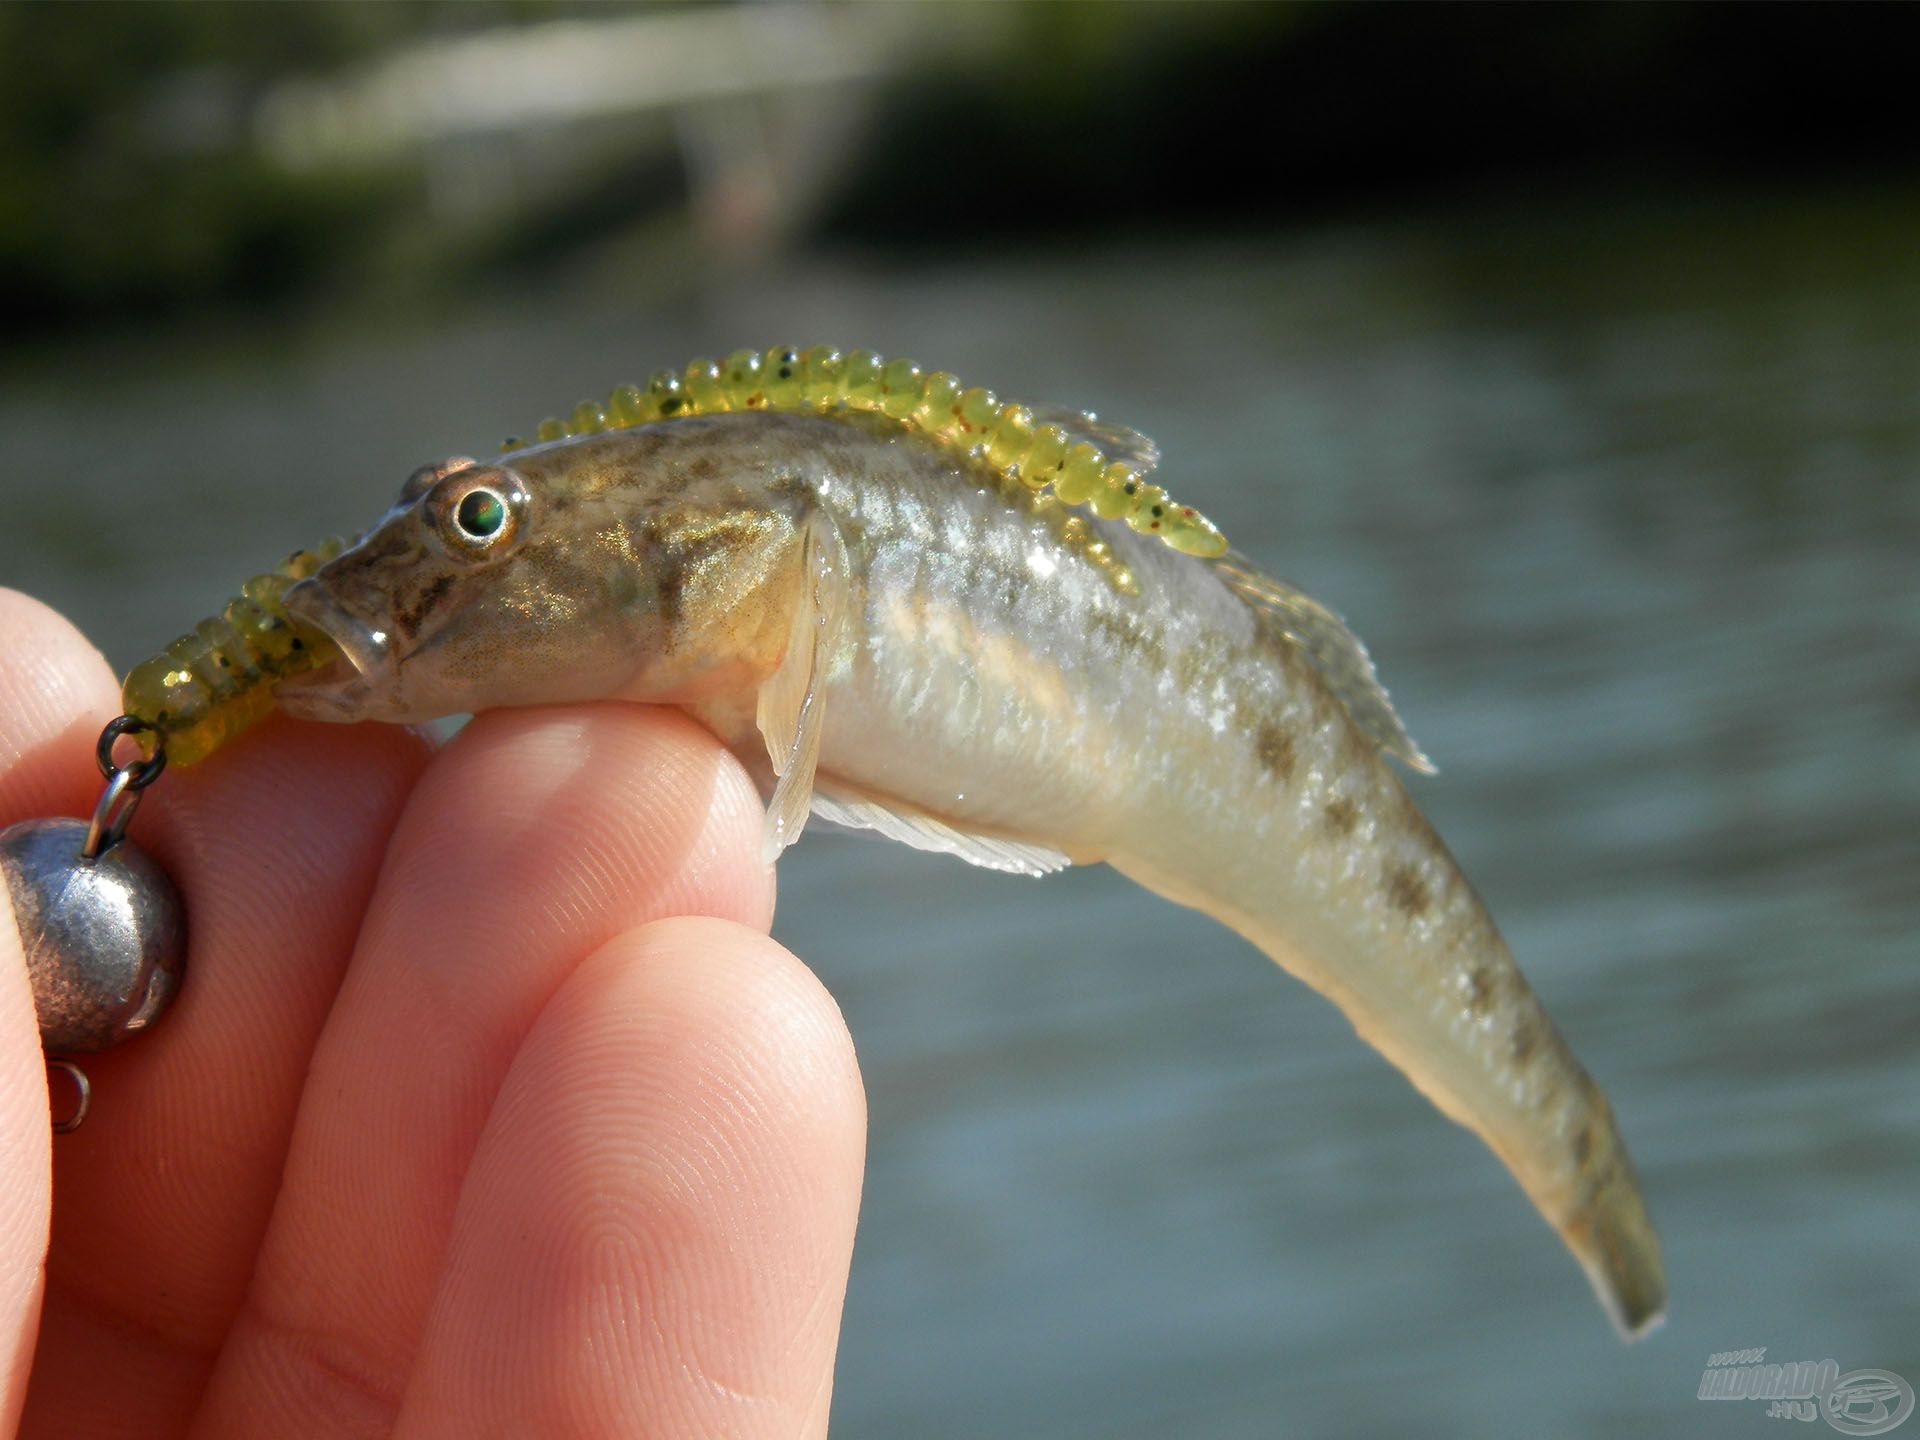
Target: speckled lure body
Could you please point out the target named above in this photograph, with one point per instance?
(899, 634)
(217, 680)
(1068, 454)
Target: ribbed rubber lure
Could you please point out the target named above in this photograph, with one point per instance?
(1077, 457)
(217, 680)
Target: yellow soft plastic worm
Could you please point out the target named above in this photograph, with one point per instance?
(214, 682)
(1039, 453)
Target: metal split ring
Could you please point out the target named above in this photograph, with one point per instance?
(125, 783)
(142, 773)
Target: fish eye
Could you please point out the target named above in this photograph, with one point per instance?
(477, 512)
(480, 515)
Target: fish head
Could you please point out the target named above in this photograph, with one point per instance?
(494, 584)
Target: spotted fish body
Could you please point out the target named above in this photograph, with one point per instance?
(899, 635)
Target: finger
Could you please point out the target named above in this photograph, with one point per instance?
(25, 1159)
(52, 685)
(655, 1234)
(57, 693)
(533, 839)
(162, 1196)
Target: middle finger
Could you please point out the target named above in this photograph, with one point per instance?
(534, 838)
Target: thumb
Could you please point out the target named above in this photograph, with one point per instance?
(26, 1160)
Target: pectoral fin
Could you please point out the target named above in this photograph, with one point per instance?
(791, 710)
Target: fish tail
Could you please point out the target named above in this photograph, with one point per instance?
(1546, 1119)
(1451, 1009)
(1611, 1235)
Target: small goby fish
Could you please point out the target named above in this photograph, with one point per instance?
(887, 596)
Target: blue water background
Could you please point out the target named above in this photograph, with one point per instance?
(1626, 502)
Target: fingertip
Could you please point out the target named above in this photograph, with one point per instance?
(58, 692)
(660, 1218)
(740, 1011)
(48, 646)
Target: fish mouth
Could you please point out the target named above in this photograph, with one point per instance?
(358, 683)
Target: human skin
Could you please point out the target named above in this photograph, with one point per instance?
(488, 1106)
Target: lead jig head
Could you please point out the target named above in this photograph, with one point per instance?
(100, 923)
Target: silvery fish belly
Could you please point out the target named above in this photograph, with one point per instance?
(916, 617)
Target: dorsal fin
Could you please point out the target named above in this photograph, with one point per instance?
(1336, 653)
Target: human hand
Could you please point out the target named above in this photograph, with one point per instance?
(487, 1106)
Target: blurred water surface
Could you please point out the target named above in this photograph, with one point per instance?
(1626, 504)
